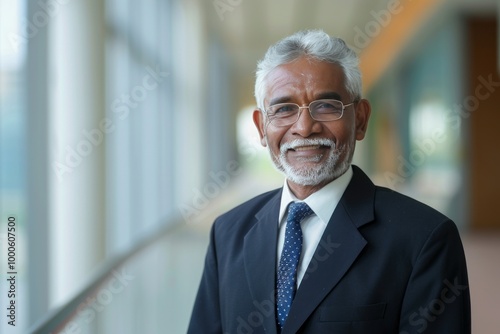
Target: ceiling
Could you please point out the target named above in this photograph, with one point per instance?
(249, 27)
(246, 28)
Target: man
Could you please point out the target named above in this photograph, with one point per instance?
(329, 252)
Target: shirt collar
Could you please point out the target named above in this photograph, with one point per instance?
(323, 202)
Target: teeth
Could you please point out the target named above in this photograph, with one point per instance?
(307, 144)
(305, 148)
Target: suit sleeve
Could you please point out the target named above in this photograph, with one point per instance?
(205, 317)
(437, 299)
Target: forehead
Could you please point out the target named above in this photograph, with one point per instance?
(304, 80)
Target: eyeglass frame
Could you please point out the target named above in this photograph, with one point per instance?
(344, 106)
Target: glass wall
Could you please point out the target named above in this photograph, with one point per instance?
(416, 128)
(120, 119)
(13, 152)
(127, 112)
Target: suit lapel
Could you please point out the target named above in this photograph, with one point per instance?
(339, 247)
(260, 260)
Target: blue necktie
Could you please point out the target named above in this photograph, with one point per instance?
(290, 256)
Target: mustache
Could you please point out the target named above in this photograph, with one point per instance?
(306, 142)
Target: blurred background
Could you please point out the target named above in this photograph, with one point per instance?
(125, 129)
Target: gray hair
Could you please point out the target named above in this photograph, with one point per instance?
(315, 44)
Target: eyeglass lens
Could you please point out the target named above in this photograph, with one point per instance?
(321, 110)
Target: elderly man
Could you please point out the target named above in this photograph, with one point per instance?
(329, 252)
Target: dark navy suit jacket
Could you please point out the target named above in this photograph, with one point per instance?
(385, 264)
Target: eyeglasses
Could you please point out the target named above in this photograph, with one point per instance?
(283, 114)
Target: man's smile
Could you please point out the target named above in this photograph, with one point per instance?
(308, 153)
(308, 148)
(305, 147)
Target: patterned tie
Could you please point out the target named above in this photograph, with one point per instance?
(287, 270)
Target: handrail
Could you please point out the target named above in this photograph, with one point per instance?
(56, 319)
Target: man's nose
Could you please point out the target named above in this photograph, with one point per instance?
(305, 124)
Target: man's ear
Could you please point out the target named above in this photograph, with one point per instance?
(363, 111)
(260, 123)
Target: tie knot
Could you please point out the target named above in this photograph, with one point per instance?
(298, 211)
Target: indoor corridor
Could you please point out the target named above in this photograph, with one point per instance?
(126, 129)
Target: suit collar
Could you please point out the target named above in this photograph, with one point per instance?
(260, 262)
(338, 249)
(323, 202)
(359, 198)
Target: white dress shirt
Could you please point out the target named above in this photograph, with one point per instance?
(323, 203)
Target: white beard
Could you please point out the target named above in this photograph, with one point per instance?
(331, 169)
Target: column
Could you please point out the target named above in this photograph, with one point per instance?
(77, 145)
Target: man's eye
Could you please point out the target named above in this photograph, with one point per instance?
(326, 107)
(285, 109)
